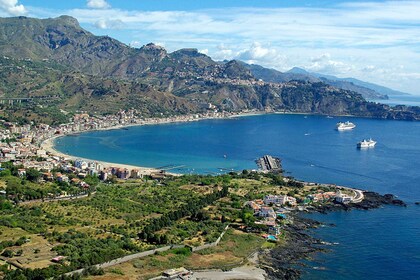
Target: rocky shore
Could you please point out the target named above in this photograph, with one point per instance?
(284, 261)
(371, 200)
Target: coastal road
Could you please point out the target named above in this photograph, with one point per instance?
(358, 194)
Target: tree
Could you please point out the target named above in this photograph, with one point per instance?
(8, 253)
(32, 174)
(5, 173)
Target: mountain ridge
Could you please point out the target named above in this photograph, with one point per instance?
(56, 57)
(378, 88)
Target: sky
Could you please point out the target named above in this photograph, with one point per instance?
(375, 41)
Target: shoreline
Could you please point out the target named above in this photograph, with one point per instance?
(48, 144)
(49, 147)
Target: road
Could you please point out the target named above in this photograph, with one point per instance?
(358, 194)
(69, 197)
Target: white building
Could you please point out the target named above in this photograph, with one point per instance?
(275, 199)
(79, 163)
(342, 198)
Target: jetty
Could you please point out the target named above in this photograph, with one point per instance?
(269, 163)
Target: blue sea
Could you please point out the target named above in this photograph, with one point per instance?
(375, 244)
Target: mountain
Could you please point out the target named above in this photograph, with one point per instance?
(374, 87)
(54, 63)
(274, 76)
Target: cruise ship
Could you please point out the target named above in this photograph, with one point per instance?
(366, 143)
(345, 126)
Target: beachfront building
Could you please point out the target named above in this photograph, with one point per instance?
(274, 199)
(136, 174)
(80, 163)
(279, 200)
(342, 198)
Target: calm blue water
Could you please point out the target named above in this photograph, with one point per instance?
(376, 244)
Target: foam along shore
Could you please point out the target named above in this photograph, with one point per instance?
(48, 146)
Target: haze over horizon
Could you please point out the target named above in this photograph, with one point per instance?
(375, 41)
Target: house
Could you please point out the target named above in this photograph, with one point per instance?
(123, 173)
(58, 259)
(275, 199)
(21, 172)
(92, 171)
(79, 163)
(83, 184)
(275, 230)
(82, 175)
(291, 200)
(158, 176)
(41, 153)
(103, 175)
(47, 176)
(62, 178)
(75, 181)
(279, 199)
(267, 212)
(342, 198)
(254, 206)
(176, 273)
(135, 173)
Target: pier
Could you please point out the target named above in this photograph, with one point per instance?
(269, 163)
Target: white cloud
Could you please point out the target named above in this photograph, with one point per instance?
(98, 4)
(326, 65)
(259, 54)
(11, 7)
(109, 24)
(366, 40)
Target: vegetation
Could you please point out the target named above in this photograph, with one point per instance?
(126, 217)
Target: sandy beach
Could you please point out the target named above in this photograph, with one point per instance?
(48, 145)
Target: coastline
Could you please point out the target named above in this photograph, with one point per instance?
(48, 144)
(301, 238)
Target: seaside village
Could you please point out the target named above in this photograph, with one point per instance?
(23, 146)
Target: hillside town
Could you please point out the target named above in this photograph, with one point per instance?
(25, 145)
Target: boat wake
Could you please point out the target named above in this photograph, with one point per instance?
(346, 172)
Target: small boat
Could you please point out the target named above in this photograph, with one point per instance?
(366, 143)
(345, 126)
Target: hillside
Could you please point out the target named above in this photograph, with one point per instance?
(274, 76)
(54, 63)
(350, 81)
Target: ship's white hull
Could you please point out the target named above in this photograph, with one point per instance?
(366, 144)
(345, 126)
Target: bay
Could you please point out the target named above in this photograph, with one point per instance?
(375, 244)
